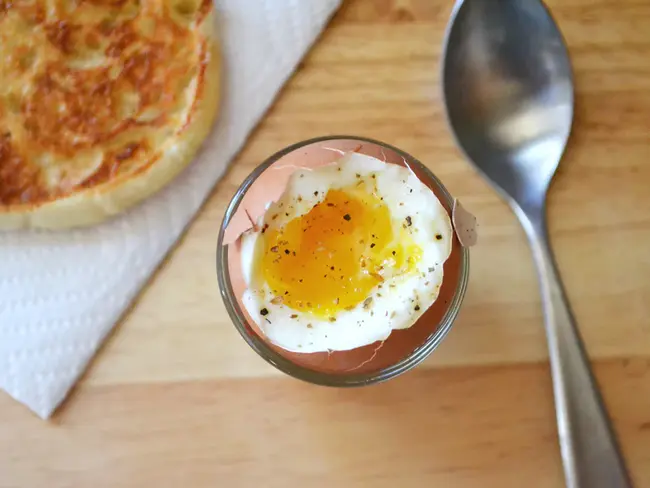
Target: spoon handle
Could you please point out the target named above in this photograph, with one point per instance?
(590, 454)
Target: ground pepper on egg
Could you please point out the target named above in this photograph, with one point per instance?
(334, 246)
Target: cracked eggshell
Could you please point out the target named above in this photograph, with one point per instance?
(401, 343)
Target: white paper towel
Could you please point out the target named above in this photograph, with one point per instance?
(61, 293)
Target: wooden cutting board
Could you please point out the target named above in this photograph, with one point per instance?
(176, 398)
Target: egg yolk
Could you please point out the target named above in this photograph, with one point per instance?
(331, 258)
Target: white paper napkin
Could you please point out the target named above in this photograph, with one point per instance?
(61, 293)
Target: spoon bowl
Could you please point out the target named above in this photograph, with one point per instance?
(508, 93)
(508, 89)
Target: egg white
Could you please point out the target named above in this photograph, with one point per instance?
(397, 303)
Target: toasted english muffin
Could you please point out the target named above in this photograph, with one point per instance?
(102, 102)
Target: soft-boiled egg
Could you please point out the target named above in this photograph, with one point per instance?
(350, 252)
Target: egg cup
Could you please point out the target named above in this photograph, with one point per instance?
(403, 349)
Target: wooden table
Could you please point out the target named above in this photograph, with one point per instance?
(176, 398)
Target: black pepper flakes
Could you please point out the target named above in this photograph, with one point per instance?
(332, 319)
(264, 312)
(347, 217)
(417, 308)
(372, 245)
(438, 237)
(394, 253)
(315, 193)
(294, 316)
(409, 221)
(286, 251)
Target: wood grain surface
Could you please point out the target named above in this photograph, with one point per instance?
(176, 398)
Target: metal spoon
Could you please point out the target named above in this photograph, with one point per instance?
(508, 91)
